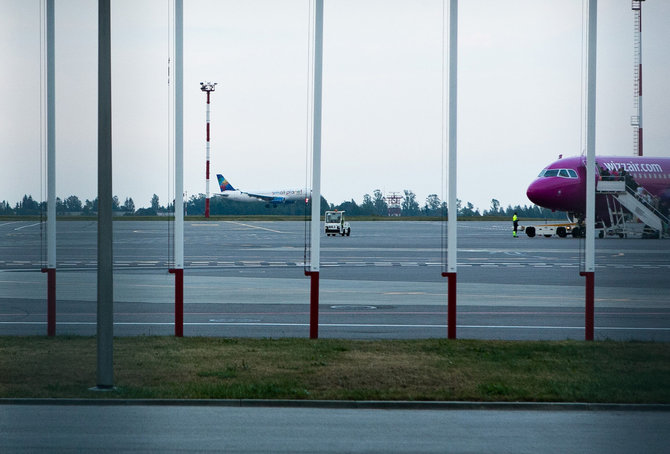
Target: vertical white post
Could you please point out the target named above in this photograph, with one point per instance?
(179, 134)
(453, 110)
(315, 225)
(591, 136)
(51, 139)
(315, 247)
(452, 229)
(589, 253)
(105, 330)
(177, 93)
(51, 165)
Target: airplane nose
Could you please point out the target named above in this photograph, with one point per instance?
(534, 193)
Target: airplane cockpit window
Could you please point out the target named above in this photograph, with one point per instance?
(563, 173)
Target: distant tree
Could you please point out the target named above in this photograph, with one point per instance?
(409, 206)
(5, 208)
(469, 210)
(367, 208)
(350, 207)
(381, 207)
(60, 206)
(495, 208)
(129, 205)
(116, 205)
(155, 204)
(433, 205)
(73, 204)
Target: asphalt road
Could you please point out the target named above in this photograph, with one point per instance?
(384, 281)
(178, 428)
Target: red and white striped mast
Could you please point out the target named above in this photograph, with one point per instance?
(207, 87)
(636, 120)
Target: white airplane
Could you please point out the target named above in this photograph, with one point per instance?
(269, 197)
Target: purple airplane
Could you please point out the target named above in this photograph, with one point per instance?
(561, 186)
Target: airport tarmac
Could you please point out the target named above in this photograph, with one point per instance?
(177, 427)
(245, 278)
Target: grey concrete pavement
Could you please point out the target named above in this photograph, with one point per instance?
(137, 428)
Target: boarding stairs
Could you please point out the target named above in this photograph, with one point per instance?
(619, 196)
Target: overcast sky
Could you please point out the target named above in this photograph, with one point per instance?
(519, 94)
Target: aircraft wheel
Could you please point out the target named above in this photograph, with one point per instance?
(348, 232)
(560, 231)
(530, 231)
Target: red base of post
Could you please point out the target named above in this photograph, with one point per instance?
(178, 301)
(206, 208)
(451, 304)
(51, 300)
(589, 319)
(313, 304)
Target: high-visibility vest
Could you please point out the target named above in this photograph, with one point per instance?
(514, 218)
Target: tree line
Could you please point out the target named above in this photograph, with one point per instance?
(373, 205)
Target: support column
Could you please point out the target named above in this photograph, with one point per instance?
(589, 253)
(315, 232)
(178, 94)
(452, 229)
(51, 168)
(105, 331)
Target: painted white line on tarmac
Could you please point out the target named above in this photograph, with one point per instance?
(348, 325)
(255, 227)
(26, 226)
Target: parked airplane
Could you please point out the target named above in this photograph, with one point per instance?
(641, 185)
(270, 197)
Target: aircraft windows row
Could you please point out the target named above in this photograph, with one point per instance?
(651, 175)
(564, 173)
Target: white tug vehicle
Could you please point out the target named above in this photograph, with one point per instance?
(336, 225)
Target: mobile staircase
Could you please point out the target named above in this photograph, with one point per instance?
(652, 223)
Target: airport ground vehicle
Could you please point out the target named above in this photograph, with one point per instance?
(335, 224)
(562, 230)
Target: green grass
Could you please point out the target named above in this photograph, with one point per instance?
(213, 368)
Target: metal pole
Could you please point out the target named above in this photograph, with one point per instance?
(589, 254)
(51, 169)
(639, 88)
(207, 165)
(315, 234)
(179, 168)
(105, 271)
(452, 237)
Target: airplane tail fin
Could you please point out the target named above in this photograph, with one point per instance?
(223, 183)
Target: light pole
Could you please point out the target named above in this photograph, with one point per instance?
(207, 87)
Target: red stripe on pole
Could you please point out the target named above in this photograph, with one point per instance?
(178, 301)
(313, 304)
(639, 141)
(639, 81)
(206, 208)
(589, 318)
(207, 171)
(207, 131)
(51, 300)
(451, 304)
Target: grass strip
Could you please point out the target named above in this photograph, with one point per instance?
(433, 369)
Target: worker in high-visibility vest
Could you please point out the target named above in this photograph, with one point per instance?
(515, 221)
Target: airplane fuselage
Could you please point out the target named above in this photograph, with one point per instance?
(561, 186)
